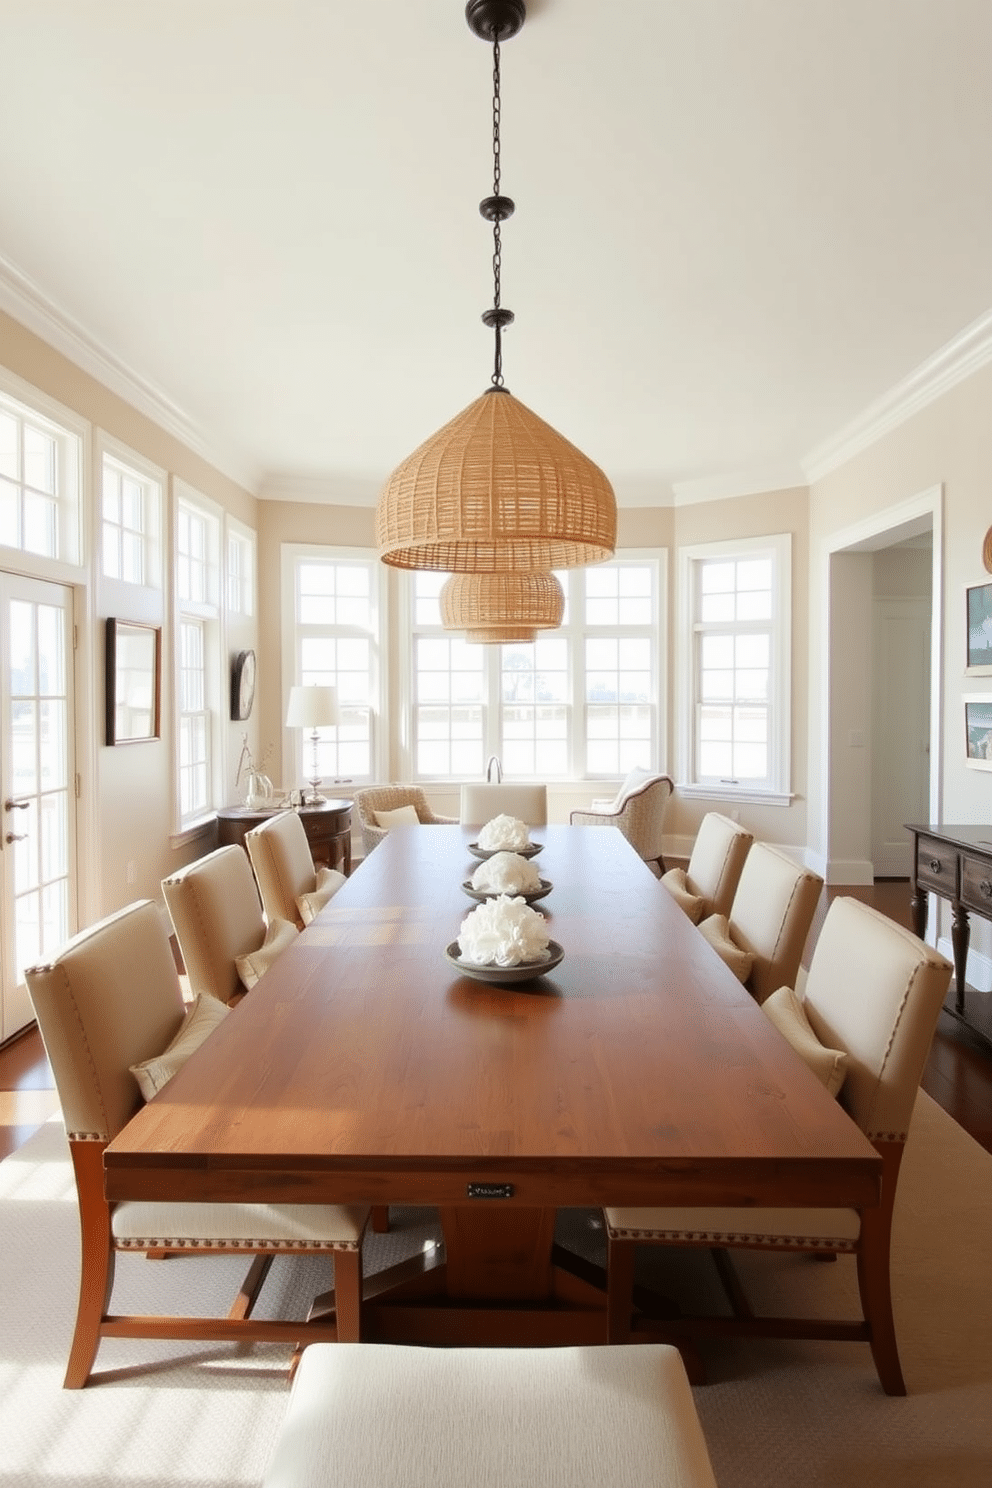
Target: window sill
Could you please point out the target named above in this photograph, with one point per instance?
(735, 793)
(194, 832)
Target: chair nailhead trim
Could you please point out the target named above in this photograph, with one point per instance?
(157, 1242)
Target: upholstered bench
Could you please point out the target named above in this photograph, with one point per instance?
(389, 1416)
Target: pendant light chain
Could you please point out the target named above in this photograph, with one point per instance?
(497, 377)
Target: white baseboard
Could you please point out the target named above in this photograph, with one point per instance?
(978, 969)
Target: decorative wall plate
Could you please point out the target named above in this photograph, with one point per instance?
(987, 550)
(242, 685)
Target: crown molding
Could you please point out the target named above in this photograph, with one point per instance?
(26, 303)
(962, 356)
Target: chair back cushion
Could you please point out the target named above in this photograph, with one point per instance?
(718, 855)
(771, 915)
(480, 803)
(109, 999)
(280, 855)
(217, 916)
(875, 990)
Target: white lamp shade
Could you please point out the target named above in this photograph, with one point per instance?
(312, 707)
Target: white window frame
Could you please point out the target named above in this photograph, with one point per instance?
(575, 631)
(240, 586)
(205, 611)
(152, 481)
(777, 789)
(72, 436)
(296, 751)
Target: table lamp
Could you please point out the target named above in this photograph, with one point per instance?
(312, 707)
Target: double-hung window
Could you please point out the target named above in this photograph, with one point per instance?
(41, 460)
(582, 701)
(332, 626)
(198, 689)
(240, 569)
(736, 608)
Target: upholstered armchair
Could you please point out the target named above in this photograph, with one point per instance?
(481, 802)
(292, 888)
(867, 1016)
(384, 800)
(707, 886)
(638, 812)
(110, 1010)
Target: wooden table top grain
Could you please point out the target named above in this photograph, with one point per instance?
(365, 1068)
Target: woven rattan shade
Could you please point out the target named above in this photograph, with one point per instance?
(502, 606)
(496, 491)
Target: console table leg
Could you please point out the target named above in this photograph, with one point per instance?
(918, 909)
(960, 935)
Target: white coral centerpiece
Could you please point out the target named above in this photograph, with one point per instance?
(503, 932)
(506, 873)
(504, 832)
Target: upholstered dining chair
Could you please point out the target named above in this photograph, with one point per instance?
(872, 998)
(763, 937)
(380, 807)
(292, 888)
(708, 884)
(638, 812)
(481, 802)
(217, 915)
(111, 1015)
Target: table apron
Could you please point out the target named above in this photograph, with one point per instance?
(820, 1183)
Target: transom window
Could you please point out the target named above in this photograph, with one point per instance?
(40, 482)
(240, 571)
(738, 603)
(131, 504)
(199, 687)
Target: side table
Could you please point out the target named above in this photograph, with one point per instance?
(328, 829)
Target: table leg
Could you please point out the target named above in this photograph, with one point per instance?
(918, 909)
(960, 935)
(500, 1255)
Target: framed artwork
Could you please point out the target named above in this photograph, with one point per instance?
(134, 681)
(979, 617)
(978, 730)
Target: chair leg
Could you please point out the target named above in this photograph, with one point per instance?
(348, 1295)
(619, 1290)
(97, 1260)
(876, 1299)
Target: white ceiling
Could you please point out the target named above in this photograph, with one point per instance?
(739, 223)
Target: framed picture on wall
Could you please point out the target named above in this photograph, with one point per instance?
(979, 614)
(978, 730)
(134, 666)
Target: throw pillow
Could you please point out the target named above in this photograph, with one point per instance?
(199, 1023)
(329, 880)
(636, 777)
(255, 964)
(786, 1011)
(401, 816)
(716, 929)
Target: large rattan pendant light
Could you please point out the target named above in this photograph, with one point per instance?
(497, 490)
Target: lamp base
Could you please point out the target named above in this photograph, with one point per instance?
(312, 797)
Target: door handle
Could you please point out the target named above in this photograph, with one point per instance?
(12, 805)
(16, 837)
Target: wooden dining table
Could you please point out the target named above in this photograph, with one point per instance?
(365, 1067)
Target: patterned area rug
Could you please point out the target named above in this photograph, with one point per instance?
(774, 1413)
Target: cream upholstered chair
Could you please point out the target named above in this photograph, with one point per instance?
(872, 995)
(217, 916)
(381, 800)
(480, 803)
(763, 937)
(291, 887)
(707, 886)
(110, 1010)
(638, 811)
(487, 1417)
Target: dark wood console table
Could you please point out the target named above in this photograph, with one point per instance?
(328, 829)
(955, 862)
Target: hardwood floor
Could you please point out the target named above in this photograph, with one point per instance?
(958, 1075)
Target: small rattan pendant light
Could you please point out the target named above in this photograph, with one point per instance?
(497, 490)
(501, 607)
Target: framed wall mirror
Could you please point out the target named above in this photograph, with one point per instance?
(134, 681)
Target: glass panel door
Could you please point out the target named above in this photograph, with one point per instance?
(37, 836)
